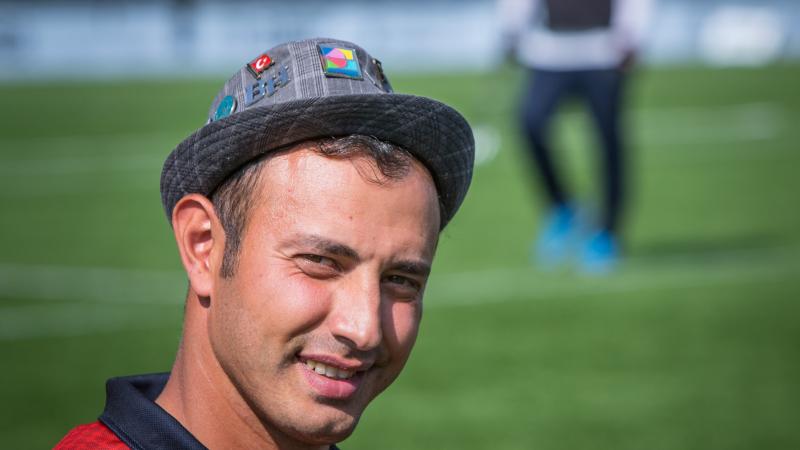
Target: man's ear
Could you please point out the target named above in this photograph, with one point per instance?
(201, 241)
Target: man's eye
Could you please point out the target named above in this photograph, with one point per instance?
(314, 258)
(397, 279)
(403, 286)
(317, 264)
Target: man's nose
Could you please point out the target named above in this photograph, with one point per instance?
(356, 313)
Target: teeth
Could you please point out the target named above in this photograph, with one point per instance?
(329, 371)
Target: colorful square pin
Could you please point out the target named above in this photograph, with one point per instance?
(260, 64)
(339, 62)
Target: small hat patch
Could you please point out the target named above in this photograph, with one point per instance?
(260, 64)
(225, 108)
(339, 62)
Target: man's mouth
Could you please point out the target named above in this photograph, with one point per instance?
(336, 378)
(328, 370)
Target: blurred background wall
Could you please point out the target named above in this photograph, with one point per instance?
(44, 39)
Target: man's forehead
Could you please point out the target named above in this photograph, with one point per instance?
(304, 158)
(313, 192)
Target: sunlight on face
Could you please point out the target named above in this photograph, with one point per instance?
(325, 305)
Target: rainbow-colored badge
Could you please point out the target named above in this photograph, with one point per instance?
(339, 62)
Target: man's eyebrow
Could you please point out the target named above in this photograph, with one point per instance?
(331, 247)
(327, 246)
(413, 268)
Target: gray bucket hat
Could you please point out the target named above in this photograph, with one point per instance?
(310, 89)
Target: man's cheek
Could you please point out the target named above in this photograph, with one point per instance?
(299, 297)
(403, 326)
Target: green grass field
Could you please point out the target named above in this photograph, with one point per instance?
(693, 344)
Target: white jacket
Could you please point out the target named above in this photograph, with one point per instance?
(536, 46)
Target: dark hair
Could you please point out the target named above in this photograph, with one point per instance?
(233, 199)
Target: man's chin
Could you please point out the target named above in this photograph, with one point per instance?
(326, 432)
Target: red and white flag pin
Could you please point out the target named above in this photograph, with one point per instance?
(260, 64)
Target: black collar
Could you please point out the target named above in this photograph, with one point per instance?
(133, 415)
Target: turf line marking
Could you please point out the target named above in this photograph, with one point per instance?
(97, 300)
(80, 319)
(80, 164)
(80, 140)
(117, 310)
(689, 125)
(93, 284)
(758, 120)
(129, 286)
(637, 274)
(514, 285)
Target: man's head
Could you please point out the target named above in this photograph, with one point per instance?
(307, 227)
(332, 261)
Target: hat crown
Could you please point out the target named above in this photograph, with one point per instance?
(313, 89)
(311, 68)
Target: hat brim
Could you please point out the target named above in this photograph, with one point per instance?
(434, 133)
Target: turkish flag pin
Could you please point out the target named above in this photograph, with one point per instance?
(260, 64)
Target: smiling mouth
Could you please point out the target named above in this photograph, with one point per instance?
(329, 371)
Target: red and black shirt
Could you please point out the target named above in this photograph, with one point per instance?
(132, 420)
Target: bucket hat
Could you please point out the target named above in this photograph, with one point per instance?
(311, 89)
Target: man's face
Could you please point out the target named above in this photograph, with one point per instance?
(325, 304)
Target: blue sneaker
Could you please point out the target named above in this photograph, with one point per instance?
(600, 254)
(557, 238)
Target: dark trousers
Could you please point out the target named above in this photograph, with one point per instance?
(601, 90)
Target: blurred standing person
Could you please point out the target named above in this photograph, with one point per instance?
(581, 48)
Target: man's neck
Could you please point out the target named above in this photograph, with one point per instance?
(192, 397)
(203, 399)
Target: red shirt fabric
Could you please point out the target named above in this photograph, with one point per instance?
(91, 436)
(132, 420)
